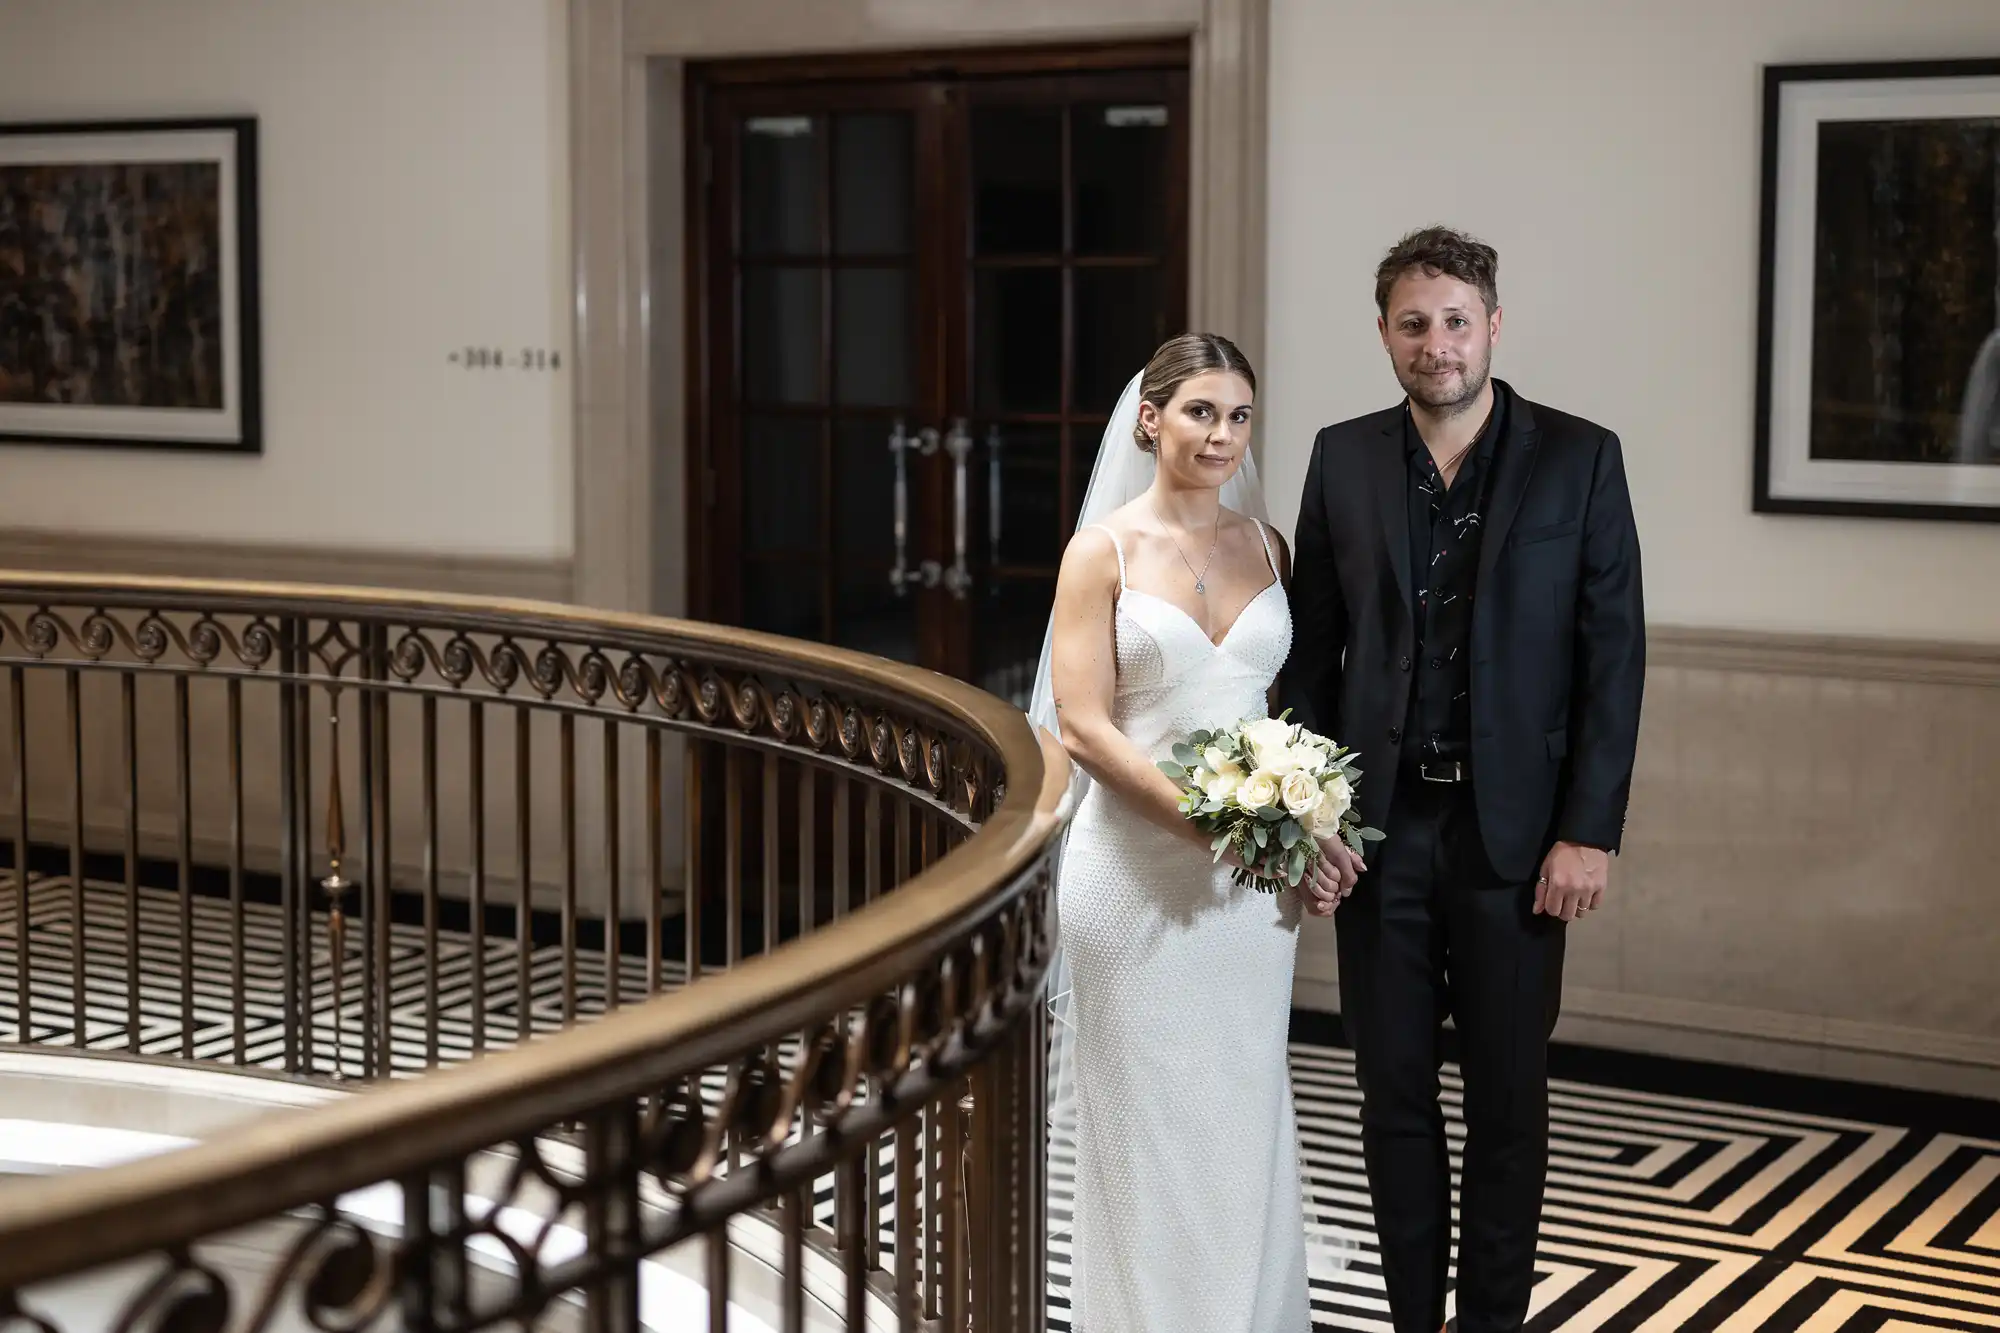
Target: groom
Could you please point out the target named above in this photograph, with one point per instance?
(1467, 614)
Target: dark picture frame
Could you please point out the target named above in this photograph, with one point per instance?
(1878, 327)
(129, 284)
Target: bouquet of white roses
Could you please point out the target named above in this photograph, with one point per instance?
(1269, 789)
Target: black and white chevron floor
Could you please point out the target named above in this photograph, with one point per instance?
(1663, 1211)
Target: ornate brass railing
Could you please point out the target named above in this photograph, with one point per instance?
(761, 923)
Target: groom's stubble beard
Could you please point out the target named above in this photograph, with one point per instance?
(1471, 383)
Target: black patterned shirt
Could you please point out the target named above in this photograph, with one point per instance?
(1445, 527)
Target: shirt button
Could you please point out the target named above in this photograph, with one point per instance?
(1395, 734)
(1437, 663)
(1406, 664)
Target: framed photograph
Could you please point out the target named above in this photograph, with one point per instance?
(128, 284)
(1878, 389)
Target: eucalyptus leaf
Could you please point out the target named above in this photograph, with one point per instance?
(1174, 771)
(1262, 833)
(1289, 834)
(1373, 834)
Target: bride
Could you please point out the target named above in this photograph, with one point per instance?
(1173, 989)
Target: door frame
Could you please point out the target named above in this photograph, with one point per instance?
(628, 218)
(938, 88)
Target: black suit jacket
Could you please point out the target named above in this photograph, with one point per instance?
(1558, 627)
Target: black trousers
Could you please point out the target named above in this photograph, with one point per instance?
(1432, 930)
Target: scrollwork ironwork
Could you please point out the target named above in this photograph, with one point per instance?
(785, 1117)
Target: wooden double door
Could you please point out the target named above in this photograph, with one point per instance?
(920, 285)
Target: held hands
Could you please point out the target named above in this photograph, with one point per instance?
(1573, 881)
(1332, 878)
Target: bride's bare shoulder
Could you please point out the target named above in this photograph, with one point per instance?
(1091, 558)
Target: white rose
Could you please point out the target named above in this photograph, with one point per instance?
(1340, 795)
(1336, 798)
(1305, 758)
(1259, 791)
(1301, 794)
(1223, 785)
(1267, 738)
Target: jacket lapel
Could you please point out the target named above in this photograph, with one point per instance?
(1392, 500)
(1512, 471)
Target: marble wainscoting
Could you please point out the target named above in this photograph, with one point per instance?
(1811, 879)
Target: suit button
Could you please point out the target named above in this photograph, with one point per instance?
(1405, 664)
(1395, 734)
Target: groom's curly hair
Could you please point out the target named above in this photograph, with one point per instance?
(1440, 250)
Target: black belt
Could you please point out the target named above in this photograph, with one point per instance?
(1447, 771)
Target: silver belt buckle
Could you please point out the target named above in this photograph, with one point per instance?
(1446, 773)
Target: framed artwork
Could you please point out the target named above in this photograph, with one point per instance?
(1878, 389)
(128, 284)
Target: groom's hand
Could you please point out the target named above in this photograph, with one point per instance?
(1333, 877)
(1573, 881)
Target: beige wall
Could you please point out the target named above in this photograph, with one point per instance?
(412, 160)
(1808, 879)
(1611, 152)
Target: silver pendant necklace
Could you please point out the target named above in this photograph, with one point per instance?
(1215, 539)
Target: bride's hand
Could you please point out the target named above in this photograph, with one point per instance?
(1333, 877)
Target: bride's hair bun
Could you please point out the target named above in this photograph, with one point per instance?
(1179, 360)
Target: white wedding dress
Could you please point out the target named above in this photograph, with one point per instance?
(1188, 1213)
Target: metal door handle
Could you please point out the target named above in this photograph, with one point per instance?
(901, 442)
(958, 579)
(993, 443)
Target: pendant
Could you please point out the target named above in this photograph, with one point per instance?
(1201, 587)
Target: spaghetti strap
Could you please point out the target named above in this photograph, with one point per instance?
(1119, 547)
(1269, 554)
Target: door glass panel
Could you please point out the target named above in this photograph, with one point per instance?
(869, 617)
(1120, 319)
(1010, 620)
(873, 365)
(864, 480)
(1084, 442)
(782, 495)
(781, 335)
(867, 613)
(873, 204)
(1017, 340)
(782, 597)
(1120, 163)
(781, 184)
(1031, 518)
(1017, 202)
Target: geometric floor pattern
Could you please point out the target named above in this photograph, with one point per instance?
(1662, 1212)
(1667, 1212)
(164, 1013)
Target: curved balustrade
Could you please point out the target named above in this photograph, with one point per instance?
(628, 935)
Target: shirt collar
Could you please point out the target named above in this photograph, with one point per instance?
(1489, 435)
